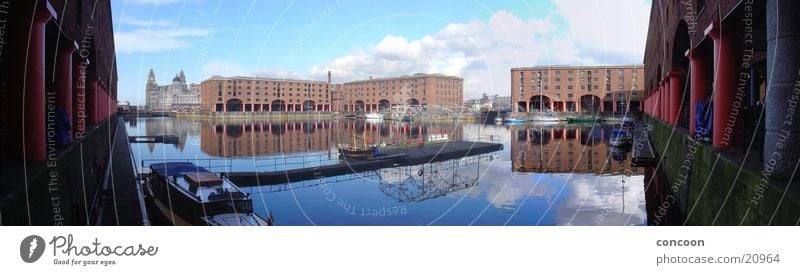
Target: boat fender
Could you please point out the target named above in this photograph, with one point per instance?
(420, 172)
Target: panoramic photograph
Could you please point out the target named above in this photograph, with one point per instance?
(399, 113)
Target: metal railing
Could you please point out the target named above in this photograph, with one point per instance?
(269, 164)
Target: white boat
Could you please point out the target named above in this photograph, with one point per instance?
(547, 118)
(376, 116)
(512, 120)
(438, 137)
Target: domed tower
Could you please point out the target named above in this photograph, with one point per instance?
(182, 76)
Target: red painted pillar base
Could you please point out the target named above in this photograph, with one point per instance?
(675, 93)
(34, 104)
(725, 68)
(665, 100)
(699, 82)
(657, 103)
(91, 102)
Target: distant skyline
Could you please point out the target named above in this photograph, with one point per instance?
(479, 41)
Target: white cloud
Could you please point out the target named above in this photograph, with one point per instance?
(610, 33)
(138, 22)
(155, 40)
(222, 68)
(482, 52)
(150, 2)
(280, 73)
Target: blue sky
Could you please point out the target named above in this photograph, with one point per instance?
(477, 40)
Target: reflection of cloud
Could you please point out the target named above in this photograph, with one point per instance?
(507, 191)
(599, 200)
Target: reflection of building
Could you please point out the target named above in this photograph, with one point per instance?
(259, 138)
(176, 96)
(258, 94)
(577, 89)
(567, 150)
(377, 94)
(180, 128)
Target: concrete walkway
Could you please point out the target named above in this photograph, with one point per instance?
(121, 203)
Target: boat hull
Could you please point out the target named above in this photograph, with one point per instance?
(175, 207)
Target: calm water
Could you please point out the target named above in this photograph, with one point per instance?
(545, 175)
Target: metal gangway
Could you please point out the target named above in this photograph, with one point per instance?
(429, 112)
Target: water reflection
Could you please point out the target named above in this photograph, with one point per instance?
(545, 175)
(249, 139)
(569, 149)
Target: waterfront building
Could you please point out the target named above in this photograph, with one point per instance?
(260, 94)
(494, 102)
(378, 94)
(589, 89)
(501, 102)
(177, 96)
(721, 97)
(58, 81)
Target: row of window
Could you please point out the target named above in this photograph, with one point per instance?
(583, 79)
(219, 99)
(273, 94)
(276, 83)
(609, 95)
(583, 87)
(275, 88)
(620, 72)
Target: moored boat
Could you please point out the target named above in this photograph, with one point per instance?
(186, 194)
(356, 152)
(512, 120)
(620, 138)
(547, 118)
(582, 120)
